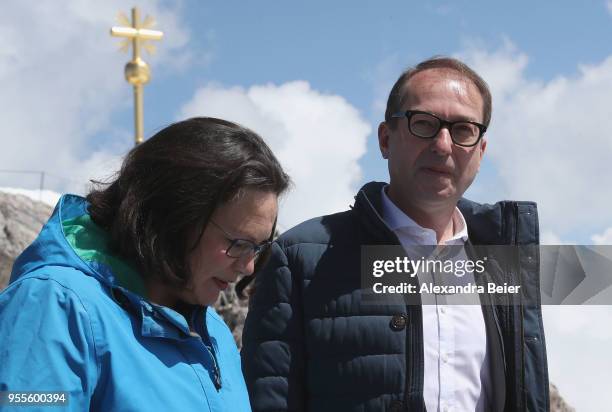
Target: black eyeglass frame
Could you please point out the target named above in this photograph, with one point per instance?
(256, 249)
(449, 125)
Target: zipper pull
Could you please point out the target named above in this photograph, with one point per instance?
(217, 380)
(216, 370)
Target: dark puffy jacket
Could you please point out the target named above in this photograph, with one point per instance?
(310, 344)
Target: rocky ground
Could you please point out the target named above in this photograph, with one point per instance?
(20, 221)
(557, 404)
(22, 218)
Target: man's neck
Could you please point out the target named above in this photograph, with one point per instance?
(438, 217)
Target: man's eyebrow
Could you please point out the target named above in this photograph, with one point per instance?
(464, 119)
(455, 118)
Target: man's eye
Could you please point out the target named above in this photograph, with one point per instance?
(465, 129)
(423, 125)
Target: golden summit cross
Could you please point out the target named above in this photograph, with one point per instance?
(137, 72)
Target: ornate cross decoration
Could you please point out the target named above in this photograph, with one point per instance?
(137, 72)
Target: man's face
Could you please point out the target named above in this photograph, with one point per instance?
(433, 173)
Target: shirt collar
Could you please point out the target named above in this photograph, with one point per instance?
(398, 221)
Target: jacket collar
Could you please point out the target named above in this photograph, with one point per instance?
(487, 224)
(70, 238)
(368, 205)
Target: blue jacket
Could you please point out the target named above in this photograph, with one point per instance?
(73, 319)
(310, 344)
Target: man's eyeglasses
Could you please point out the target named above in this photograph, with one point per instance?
(427, 126)
(242, 247)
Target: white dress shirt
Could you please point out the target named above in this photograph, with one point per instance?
(457, 375)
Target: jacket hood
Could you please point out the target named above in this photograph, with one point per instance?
(71, 239)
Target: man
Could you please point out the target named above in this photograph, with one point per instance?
(310, 340)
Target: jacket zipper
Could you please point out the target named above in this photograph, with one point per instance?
(521, 383)
(216, 370)
(201, 332)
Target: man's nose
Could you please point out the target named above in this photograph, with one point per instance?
(442, 142)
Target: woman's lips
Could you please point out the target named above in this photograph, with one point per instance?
(221, 284)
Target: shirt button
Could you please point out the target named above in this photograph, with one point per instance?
(442, 309)
(398, 322)
(445, 358)
(396, 406)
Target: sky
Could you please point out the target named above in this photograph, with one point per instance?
(312, 78)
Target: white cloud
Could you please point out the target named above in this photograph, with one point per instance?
(317, 137)
(604, 239)
(577, 341)
(502, 69)
(609, 6)
(551, 238)
(550, 141)
(61, 77)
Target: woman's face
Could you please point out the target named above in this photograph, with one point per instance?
(251, 216)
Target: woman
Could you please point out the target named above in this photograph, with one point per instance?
(111, 303)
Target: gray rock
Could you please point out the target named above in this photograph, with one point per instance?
(234, 311)
(557, 404)
(21, 219)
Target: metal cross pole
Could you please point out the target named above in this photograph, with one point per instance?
(137, 72)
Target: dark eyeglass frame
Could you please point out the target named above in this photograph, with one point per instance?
(255, 249)
(442, 123)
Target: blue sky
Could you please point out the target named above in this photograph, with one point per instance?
(356, 50)
(312, 78)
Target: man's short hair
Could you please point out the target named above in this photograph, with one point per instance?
(398, 93)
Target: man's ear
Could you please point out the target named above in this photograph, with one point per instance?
(483, 146)
(383, 139)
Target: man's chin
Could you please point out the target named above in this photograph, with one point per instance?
(435, 194)
(440, 194)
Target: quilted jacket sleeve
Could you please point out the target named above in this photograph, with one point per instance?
(273, 346)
